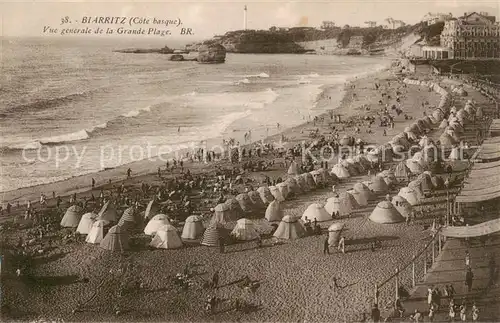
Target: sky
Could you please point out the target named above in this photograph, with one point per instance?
(208, 18)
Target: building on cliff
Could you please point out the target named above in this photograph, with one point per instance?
(473, 36)
(433, 18)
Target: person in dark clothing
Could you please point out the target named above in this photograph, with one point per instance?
(93, 183)
(215, 279)
(221, 245)
(375, 313)
(326, 247)
(129, 172)
(468, 279)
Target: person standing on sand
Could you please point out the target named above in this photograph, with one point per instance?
(93, 182)
(215, 279)
(326, 247)
(221, 245)
(375, 313)
(129, 172)
(341, 244)
(468, 279)
(467, 259)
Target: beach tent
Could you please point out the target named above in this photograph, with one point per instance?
(378, 185)
(86, 223)
(333, 205)
(72, 217)
(438, 115)
(245, 230)
(318, 177)
(402, 171)
(166, 238)
(256, 200)
(479, 112)
(445, 140)
(348, 202)
(245, 202)
(438, 182)
(402, 205)
(292, 185)
(429, 154)
(411, 136)
(414, 166)
(360, 198)
(193, 228)
(409, 194)
(415, 128)
(265, 194)
(334, 233)
(152, 209)
(283, 189)
(426, 179)
(235, 208)
(340, 171)
(155, 223)
(372, 157)
(385, 213)
(128, 217)
(351, 169)
(389, 177)
(293, 169)
(301, 182)
(316, 212)
(274, 212)
(116, 239)
(223, 214)
(276, 193)
(364, 190)
(347, 141)
(416, 185)
(311, 184)
(212, 236)
(96, 233)
(108, 213)
(424, 141)
(290, 228)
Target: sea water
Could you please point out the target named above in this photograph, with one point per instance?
(78, 98)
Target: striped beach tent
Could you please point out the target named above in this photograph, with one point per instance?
(108, 212)
(212, 235)
(128, 217)
(254, 196)
(116, 239)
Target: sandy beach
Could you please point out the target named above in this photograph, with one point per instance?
(296, 278)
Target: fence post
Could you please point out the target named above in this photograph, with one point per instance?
(433, 249)
(376, 294)
(425, 261)
(439, 243)
(397, 283)
(413, 272)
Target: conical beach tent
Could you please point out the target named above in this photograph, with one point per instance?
(386, 213)
(316, 212)
(290, 228)
(128, 217)
(223, 214)
(86, 223)
(276, 193)
(234, 207)
(116, 239)
(72, 217)
(409, 194)
(340, 171)
(364, 190)
(108, 213)
(245, 230)
(193, 228)
(283, 189)
(378, 185)
(156, 223)
(292, 185)
(274, 213)
(265, 194)
(360, 198)
(96, 233)
(166, 238)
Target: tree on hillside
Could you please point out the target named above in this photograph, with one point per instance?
(390, 21)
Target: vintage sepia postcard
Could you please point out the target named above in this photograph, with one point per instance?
(257, 161)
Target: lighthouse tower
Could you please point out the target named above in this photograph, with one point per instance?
(245, 18)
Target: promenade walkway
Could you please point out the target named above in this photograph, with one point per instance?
(450, 269)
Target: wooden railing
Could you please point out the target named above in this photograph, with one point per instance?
(410, 273)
